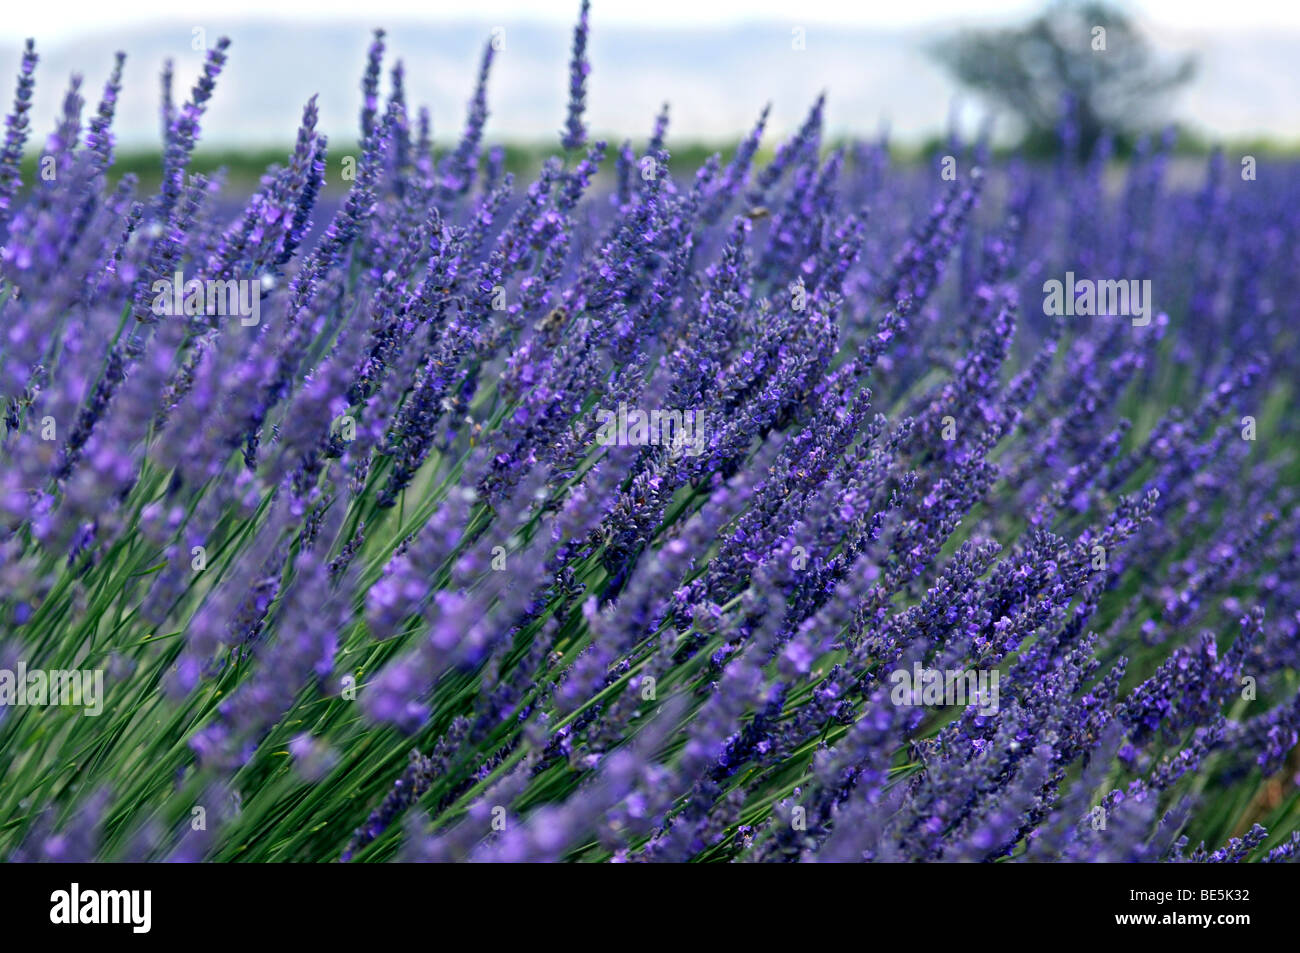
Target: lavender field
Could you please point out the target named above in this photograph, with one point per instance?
(807, 505)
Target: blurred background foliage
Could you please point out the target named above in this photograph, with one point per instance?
(1023, 76)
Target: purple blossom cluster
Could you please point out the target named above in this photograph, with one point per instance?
(366, 584)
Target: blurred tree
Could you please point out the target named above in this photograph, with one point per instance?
(1060, 70)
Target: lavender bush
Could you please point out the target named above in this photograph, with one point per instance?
(642, 515)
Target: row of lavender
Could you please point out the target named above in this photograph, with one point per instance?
(325, 522)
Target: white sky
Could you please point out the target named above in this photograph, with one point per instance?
(716, 61)
(77, 17)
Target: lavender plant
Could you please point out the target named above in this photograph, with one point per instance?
(639, 513)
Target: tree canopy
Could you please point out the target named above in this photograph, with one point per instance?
(1086, 65)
